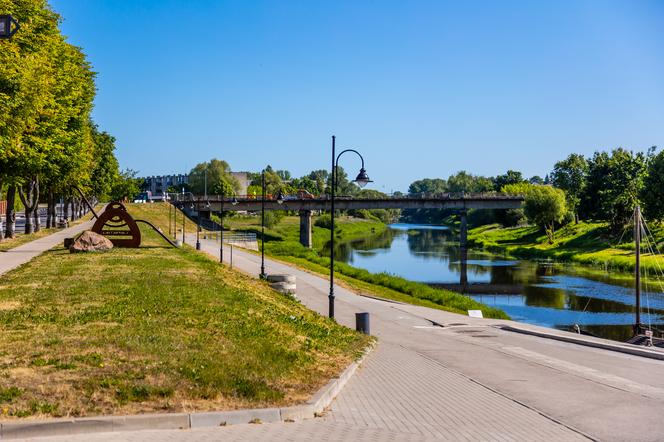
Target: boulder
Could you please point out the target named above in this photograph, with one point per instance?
(91, 242)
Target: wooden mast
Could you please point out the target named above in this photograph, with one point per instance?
(637, 267)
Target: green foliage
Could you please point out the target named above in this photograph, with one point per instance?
(511, 177)
(570, 175)
(464, 182)
(614, 183)
(126, 186)
(428, 185)
(545, 206)
(324, 221)
(653, 188)
(217, 174)
(273, 217)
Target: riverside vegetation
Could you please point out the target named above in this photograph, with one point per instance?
(156, 329)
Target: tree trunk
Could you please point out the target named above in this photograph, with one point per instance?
(37, 226)
(30, 200)
(54, 211)
(10, 225)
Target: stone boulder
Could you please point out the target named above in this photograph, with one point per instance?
(91, 242)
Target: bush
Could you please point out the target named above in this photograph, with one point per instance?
(273, 217)
(324, 221)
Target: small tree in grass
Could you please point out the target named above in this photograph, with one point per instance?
(545, 206)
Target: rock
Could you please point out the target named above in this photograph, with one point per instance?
(288, 288)
(91, 242)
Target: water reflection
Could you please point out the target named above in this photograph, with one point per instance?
(535, 292)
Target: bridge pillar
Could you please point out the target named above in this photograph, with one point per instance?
(306, 238)
(463, 247)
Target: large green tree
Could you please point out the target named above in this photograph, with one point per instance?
(545, 206)
(213, 176)
(570, 175)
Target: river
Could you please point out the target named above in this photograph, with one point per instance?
(541, 293)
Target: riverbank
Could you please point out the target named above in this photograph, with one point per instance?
(156, 329)
(282, 242)
(584, 243)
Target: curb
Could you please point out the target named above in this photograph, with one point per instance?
(627, 348)
(182, 421)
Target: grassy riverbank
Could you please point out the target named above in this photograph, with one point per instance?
(156, 329)
(584, 243)
(282, 242)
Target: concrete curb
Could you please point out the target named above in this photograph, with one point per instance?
(591, 342)
(175, 421)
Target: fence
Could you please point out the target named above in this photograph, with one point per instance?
(3, 207)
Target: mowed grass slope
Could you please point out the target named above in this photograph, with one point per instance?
(156, 329)
(583, 243)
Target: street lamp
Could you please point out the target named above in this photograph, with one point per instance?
(198, 227)
(6, 30)
(262, 274)
(361, 180)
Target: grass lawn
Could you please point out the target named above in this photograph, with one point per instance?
(584, 243)
(156, 329)
(282, 242)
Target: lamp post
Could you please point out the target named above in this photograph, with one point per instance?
(361, 180)
(262, 274)
(6, 30)
(198, 222)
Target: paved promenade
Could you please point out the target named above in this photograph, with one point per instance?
(17, 256)
(467, 380)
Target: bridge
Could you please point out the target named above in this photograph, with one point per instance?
(305, 206)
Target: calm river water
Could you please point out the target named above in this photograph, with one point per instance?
(551, 295)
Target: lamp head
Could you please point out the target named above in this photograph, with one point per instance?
(280, 198)
(362, 178)
(234, 201)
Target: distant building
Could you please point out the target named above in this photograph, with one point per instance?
(158, 185)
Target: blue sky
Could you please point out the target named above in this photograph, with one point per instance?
(421, 89)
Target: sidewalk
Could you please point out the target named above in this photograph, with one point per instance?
(17, 256)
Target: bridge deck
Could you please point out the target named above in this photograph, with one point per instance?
(346, 203)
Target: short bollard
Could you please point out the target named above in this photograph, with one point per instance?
(362, 323)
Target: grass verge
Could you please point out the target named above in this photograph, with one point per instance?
(156, 329)
(584, 243)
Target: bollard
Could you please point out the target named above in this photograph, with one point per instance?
(362, 323)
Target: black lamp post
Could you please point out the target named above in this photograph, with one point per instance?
(6, 30)
(262, 274)
(198, 227)
(362, 180)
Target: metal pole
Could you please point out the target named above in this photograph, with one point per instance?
(198, 227)
(175, 223)
(231, 256)
(170, 221)
(331, 295)
(221, 229)
(263, 275)
(183, 226)
(637, 267)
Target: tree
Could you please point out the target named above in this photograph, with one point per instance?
(126, 186)
(545, 206)
(570, 175)
(217, 175)
(464, 182)
(653, 188)
(511, 177)
(428, 185)
(614, 185)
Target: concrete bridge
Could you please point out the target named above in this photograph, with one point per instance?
(305, 206)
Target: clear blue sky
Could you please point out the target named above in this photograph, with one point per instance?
(421, 89)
